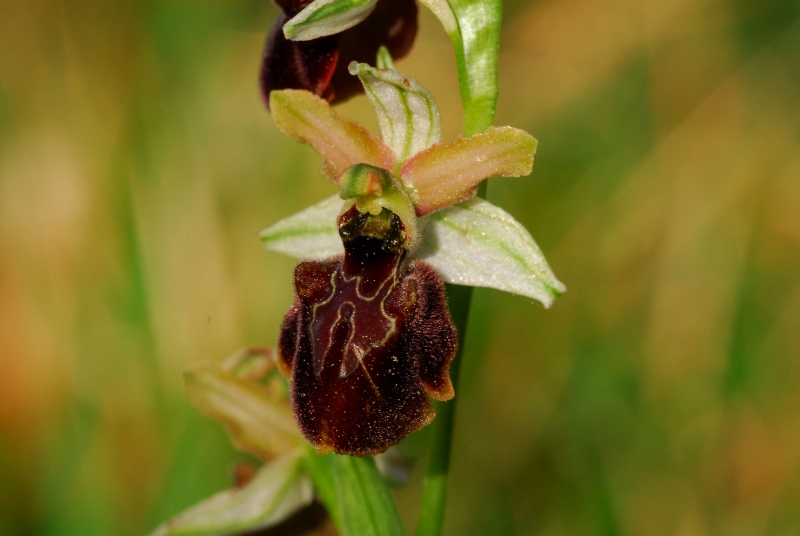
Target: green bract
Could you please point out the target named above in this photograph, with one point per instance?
(468, 241)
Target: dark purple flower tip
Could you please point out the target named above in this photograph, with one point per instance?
(320, 65)
(367, 340)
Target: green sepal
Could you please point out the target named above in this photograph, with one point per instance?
(327, 17)
(478, 244)
(407, 112)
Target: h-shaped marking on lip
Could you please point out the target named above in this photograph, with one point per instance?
(359, 343)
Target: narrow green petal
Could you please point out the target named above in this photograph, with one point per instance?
(277, 490)
(310, 234)
(339, 141)
(407, 113)
(258, 419)
(450, 172)
(478, 244)
(327, 17)
(384, 58)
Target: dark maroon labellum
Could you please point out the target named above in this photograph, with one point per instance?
(368, 338)
(320, 65)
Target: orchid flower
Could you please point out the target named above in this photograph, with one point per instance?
(467, 240)
(369, 334)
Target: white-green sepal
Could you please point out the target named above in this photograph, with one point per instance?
(473, 243)
(407, 112)
(478, 244)
(278, 489)
(327, 17)
(310, 234)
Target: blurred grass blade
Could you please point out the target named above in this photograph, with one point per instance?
(327, 17)
(407, 112)
(355, 495)
(479, 244)
(310, 234)
(476, 54)
(278, 490)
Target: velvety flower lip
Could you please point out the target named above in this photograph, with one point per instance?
(367, 340)
(320, 65)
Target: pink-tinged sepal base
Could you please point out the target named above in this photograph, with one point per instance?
(446, 173)
(367, 340)
(340, 142)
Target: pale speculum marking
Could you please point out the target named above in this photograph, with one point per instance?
(368, 337)
(350, 323)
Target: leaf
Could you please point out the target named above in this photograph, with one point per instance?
(478, 244)
(407, 113)
(327, 17)
(339, 141)
(320, 472)
(474, 28)
(447, 173)
(259, 420)
(310, 234)
(276, 491)
(355, 495)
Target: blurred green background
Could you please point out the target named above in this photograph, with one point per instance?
(659, 396)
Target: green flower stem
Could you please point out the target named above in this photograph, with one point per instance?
(434, 494)
(478, 83)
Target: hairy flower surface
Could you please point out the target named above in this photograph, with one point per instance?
(368, 338)
(316, 54)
